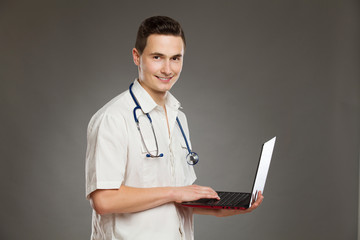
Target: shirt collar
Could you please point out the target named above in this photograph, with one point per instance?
(172, 102)
(147, 103)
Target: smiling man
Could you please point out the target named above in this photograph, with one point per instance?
(137, 167)
(159, 64)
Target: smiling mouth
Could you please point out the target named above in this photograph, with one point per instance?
(164, 78)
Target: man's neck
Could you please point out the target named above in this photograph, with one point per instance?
(158, 97)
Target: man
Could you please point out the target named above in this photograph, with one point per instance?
(136, 177)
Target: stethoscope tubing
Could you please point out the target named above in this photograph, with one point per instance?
(183, 133)
(137, 107)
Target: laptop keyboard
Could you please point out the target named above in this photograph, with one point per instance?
(231, 198)
(227, 199)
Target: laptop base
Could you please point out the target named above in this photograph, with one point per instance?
(228, 200)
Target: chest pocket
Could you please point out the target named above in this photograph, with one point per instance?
(154, 171)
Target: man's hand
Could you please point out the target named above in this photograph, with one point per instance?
(229, 212)
(193, 192)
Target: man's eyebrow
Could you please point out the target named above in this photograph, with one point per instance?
(157, 54)
(177, 55)
(161, 54)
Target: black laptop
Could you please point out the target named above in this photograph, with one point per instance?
(241, 200)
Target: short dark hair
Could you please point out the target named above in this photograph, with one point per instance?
(157, 25)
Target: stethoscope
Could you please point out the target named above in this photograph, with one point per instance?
(192, 158)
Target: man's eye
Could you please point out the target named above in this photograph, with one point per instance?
(156, 57)
(176, 58)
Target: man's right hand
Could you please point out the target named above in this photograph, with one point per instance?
(193, 192)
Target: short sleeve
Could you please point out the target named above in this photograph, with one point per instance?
(106, 152)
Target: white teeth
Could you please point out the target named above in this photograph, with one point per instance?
(164, 79)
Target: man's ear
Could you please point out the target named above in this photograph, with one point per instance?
(136, 56)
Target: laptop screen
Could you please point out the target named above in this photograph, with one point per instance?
(263, 168)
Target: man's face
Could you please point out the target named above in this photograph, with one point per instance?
(160, 63)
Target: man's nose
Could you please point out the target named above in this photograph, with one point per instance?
(166, 69)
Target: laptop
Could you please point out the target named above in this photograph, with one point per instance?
(241, 200)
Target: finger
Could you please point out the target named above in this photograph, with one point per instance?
(256, 203)
(195, 192)
(260, 198)
(208, 192)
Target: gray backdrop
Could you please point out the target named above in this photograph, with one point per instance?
(253, 69)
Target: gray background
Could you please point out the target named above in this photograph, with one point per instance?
(253, 69)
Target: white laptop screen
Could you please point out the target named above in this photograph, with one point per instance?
(263, 168)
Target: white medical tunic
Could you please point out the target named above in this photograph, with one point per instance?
(116, 155)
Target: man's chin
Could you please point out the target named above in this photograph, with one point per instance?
(166, 86)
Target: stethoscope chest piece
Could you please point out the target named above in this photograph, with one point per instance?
(192, 158)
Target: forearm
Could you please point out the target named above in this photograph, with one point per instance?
(129, 199)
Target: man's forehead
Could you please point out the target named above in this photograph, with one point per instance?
(164, 45)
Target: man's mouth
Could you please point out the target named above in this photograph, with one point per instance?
(164, 78)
